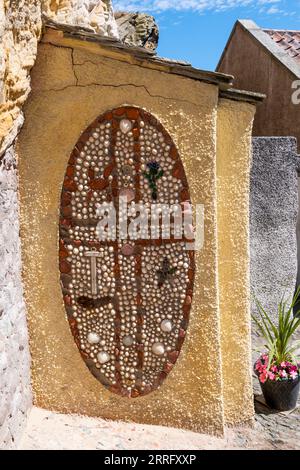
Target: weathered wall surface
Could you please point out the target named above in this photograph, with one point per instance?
(65, 104)
(95, 14)
(235, 121)
(255, 69)
(15, 393)
(274, 209)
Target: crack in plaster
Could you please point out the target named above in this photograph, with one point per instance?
(80, 64)
(119, 86)
(74, 64)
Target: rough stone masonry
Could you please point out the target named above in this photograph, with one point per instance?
(137, 29)
(15, 394)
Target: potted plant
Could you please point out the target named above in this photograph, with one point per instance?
(277, 369)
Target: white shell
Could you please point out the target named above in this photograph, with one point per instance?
(125, 126)
(166, 326)
(93, 338)
(103, 357)
(128, 340)
(158, 349)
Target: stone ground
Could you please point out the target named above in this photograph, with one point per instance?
(271, 431)
(54, 431)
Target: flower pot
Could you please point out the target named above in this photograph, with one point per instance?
(281, 395)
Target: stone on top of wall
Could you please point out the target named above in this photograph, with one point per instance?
(273, 219)
(15, 391)
(138, 29)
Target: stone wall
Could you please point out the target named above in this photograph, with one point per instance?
(95, 14)
(20, 26)
(15, 394)
(274, 209)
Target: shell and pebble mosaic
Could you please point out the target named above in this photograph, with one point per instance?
(128, 302)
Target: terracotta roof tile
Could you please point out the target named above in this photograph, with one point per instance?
(289, 41)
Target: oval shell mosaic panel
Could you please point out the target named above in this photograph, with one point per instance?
(128, 301)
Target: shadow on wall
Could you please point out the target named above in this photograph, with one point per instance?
(274, 221)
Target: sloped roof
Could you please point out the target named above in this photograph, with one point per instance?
(283, 45)
(289, 41)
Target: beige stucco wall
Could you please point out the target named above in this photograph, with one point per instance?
(233, 172)
(71, 85)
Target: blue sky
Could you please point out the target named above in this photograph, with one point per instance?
(197, 30)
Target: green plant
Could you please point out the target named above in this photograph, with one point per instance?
(153, 175)
(279, 337)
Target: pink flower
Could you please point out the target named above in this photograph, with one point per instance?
(283, 364)
(294, 375)
(283, 374)
(263, 377)
(271, 376)
(258, 365)
(274, 368)
(265, 358)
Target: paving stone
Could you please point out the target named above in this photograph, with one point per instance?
(49, 430)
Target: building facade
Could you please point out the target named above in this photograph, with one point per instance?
(267, 61)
